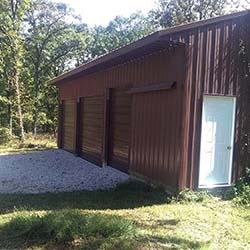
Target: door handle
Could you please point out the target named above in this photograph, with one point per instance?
(229, 147)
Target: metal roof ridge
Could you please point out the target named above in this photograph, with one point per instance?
(201, 23)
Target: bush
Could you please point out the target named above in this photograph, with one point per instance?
(239, 193)
(243, 197)
(242, 193)
(193, 196)
(5, 135)
(229, 194)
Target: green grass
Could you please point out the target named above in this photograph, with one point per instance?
(40, 142)
(133, 216)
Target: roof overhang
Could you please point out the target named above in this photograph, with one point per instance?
(144, 46)
(152, 43)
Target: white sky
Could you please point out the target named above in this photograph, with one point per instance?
(100, 12)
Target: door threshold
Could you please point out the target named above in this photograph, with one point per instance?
(215, 186)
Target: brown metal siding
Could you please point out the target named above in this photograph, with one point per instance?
(212, 68)
(69, 125)
(120, 124)
(211, 65)
(242, 155)
(155, 147)
(162, 67)
(92, 128)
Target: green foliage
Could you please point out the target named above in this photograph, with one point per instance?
(242, 193)
(5, 135)
(239, 193)
(119, 32)
(169, 13)
(193, 196)
(229, 194)
(38, 142)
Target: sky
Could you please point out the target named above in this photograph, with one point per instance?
(100, 12)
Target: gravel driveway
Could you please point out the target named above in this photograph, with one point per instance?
(53, 171)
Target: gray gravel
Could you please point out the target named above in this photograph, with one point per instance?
(54, 171)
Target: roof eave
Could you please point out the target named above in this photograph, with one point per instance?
(146, 41)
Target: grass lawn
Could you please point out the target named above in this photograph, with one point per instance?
(133, 216)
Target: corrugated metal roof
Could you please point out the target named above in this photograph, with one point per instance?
(146, 45)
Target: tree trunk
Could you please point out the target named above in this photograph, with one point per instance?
(35, 117)
(35, 114)
(19, 108)
(16, 83)
(10, 119)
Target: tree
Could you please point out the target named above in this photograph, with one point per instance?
(50, 39)
(119, 32)
(169, 13)
(11, 18)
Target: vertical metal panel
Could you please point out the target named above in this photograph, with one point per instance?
(213, 59)
(156, 142)
(106, 124)
(119, 133)
(69, 125)
(92, 113)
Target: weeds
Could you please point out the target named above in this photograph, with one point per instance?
(188, 195)
(31, 143)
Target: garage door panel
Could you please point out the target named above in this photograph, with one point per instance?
(93, 143)
(119, 129)
(92, 109)
(69, 125)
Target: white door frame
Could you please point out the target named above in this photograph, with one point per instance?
(232, 141)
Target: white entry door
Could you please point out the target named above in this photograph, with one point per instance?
(217, 136)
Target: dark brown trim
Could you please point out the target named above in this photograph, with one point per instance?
(60, 126)
(182, 177)
(106, 127)
(78, 127)
(152, 87)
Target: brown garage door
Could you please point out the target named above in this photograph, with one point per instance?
(119, 129)
(92, 109)
(69, 125)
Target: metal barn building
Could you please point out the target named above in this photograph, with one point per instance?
(172, 107)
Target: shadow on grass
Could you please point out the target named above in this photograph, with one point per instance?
(75, 230)
(127, 195)
(174, 243)
(172, 222)
(63, 228)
